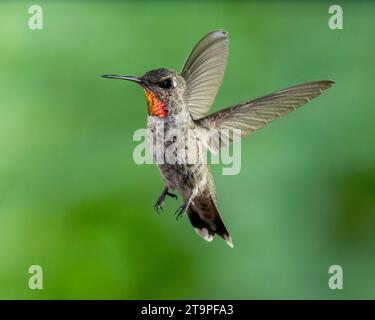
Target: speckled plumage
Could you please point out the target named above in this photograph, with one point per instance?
(190, 180)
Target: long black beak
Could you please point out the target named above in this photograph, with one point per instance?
(134, 79)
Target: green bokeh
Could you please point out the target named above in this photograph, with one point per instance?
(73, 201)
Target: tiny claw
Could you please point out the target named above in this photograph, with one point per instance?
(158, 206)
(180, 211)
(172, 195)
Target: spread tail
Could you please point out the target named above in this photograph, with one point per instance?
(206, 219)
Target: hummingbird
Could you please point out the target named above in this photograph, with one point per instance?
(182, 100)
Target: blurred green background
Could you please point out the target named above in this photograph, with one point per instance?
(73, 201)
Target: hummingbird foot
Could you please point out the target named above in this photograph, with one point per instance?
(172, 195)
(159, 203)
(181, 210)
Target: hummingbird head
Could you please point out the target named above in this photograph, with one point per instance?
(163, 88)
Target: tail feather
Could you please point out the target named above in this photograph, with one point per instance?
(206, 219)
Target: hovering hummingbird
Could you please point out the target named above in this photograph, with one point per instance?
(183, 100)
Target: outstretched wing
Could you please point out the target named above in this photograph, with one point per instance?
(256, 114)
(204, 71)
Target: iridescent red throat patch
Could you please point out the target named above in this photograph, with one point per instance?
(156, 107)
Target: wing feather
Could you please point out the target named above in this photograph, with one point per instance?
(256, 114)
(204, 71)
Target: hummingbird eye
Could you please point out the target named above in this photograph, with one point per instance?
(167, 83)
